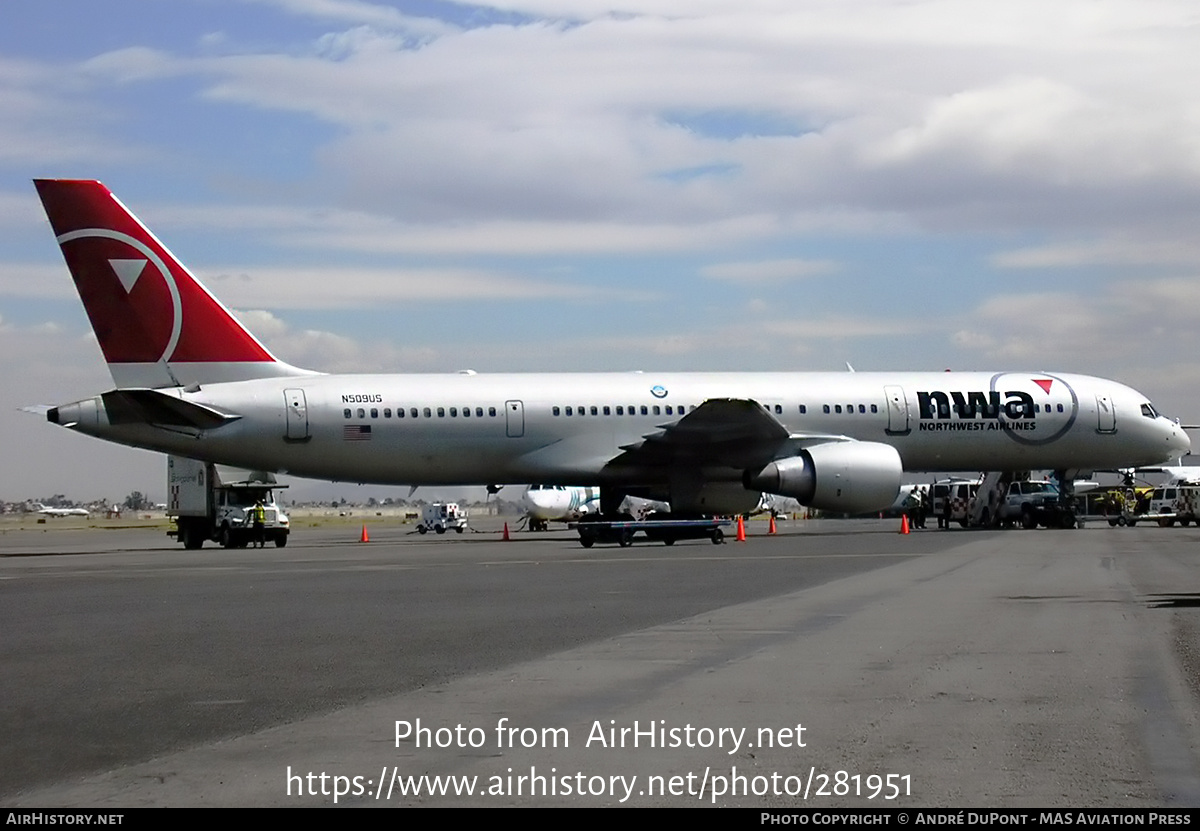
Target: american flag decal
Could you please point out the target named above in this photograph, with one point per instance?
(356, 432)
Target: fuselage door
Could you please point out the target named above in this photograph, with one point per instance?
(897, 407)
(1107, 416)
(297, 415)
(515, 412)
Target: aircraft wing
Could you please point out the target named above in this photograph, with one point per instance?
(727, 432)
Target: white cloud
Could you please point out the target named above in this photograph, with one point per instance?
(769, 271)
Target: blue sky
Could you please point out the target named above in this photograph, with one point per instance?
(549, 185)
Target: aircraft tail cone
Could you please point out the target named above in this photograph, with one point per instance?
(741, 534)
(506, 537)
(904, 523)
(771, 527)
(363, 537)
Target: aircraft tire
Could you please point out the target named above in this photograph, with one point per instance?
(587, 540)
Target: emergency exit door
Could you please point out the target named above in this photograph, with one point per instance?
(897, 407)
(515, 412)
(296, 408)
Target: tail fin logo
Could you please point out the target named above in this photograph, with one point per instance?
(155, 329)
(130, 315)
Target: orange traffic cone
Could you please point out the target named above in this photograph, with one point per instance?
(741, 535)
(771, 527)
(364, 537)
(904, 523)
(506, 538)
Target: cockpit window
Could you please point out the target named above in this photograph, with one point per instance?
(1148, 410)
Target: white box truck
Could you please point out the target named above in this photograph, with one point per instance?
(218, 503)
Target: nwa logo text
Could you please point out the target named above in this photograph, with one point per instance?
(1012, 410)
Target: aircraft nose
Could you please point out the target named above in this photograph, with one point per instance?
(1181, 443)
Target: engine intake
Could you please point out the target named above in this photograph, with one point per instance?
(848, 476)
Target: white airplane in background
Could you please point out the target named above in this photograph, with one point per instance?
(192, 381)
(59, 512)
(544, 504)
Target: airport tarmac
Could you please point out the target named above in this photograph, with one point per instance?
(940, 669)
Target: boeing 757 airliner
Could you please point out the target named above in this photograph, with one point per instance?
(191, 380)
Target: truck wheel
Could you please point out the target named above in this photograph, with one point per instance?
(191, 537)
(459, 529)
(1113, 523)
(225, 538)
(1184, 521)
(1028, 519)
(422, 529)
(718, 536)
(281, 541)
(441, 529)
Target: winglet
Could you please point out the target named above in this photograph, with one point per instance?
(157, 325)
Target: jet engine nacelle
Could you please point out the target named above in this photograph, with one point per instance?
(851, 477)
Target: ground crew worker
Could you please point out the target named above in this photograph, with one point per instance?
(260, 518)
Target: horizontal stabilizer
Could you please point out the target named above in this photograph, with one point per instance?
(145, 406)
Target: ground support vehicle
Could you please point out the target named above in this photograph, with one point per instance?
(1034, 503)
(951, 500)
(1174, 503)
(621, 532)
(441, 517)
(218, 503)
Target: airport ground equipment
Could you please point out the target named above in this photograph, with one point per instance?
(959, 493)
(214, 502)
(1008, 499)
(1174, 503)
(441, 517)
(667, 531)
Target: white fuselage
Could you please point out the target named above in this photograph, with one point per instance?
(566, 428)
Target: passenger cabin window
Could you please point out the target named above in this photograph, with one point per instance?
(346, 412)
(555, 411)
